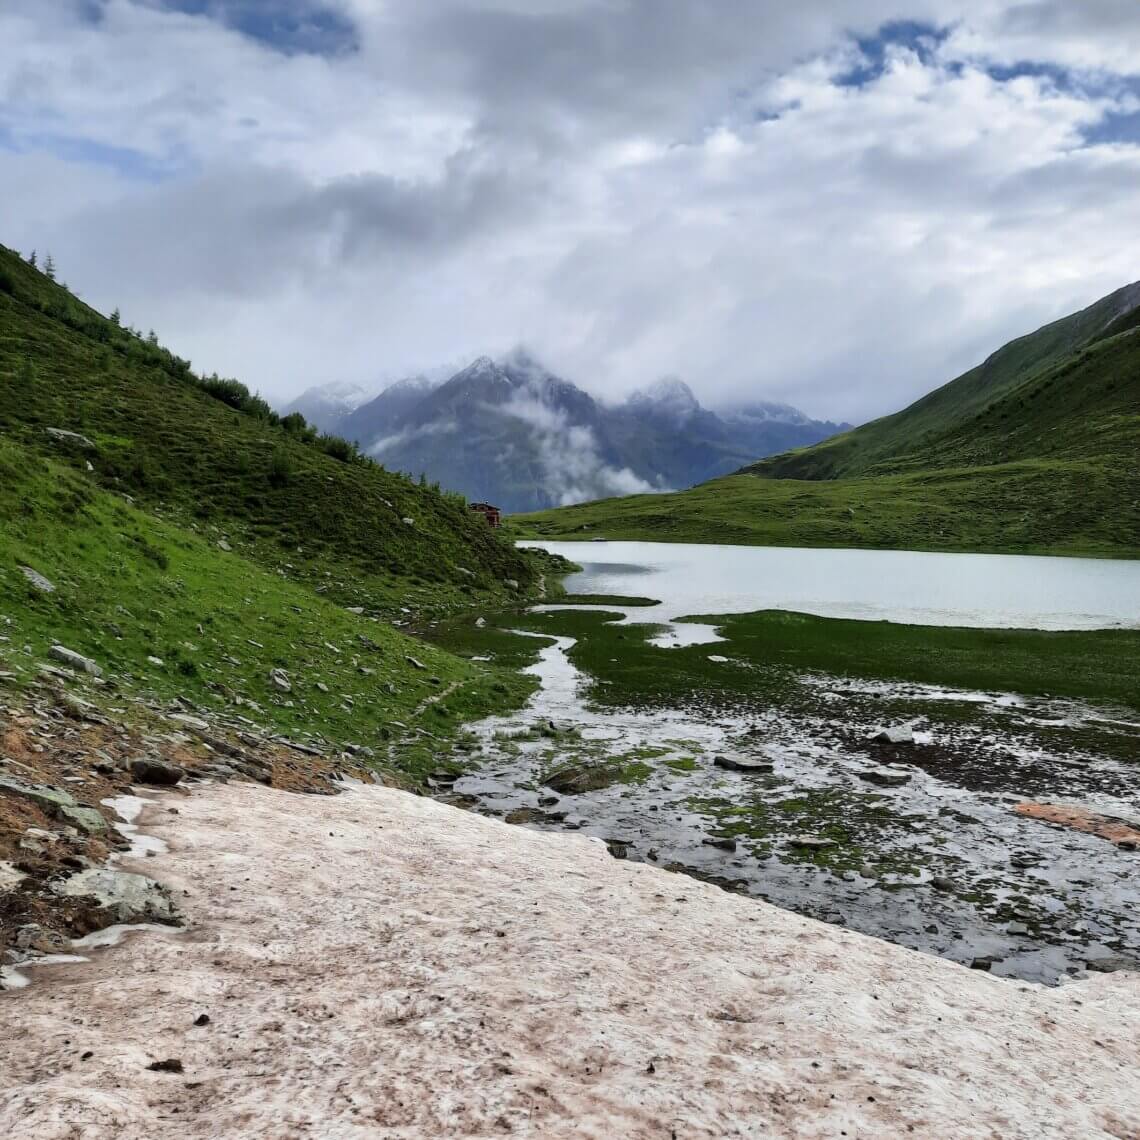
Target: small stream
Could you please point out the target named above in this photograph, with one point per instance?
(939, 862)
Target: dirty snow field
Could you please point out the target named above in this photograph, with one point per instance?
(381, 965)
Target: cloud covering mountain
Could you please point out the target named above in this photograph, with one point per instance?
(512, 432)
(842, 203)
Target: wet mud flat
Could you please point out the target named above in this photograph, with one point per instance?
(916, 839)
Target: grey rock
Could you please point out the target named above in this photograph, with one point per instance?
(722, 844)
(408, 522)
(414, 663)
(37, 579)
(74, 660)
(1113, 964)
(903, 734)
(10, 878)
(1017, 928)
(88, 819)
(886, 776)
(574, 779)
(144, 770)
(742, 764)
(941, 883)
(223, 545)
(73, 438)
(811, 842)
(511, 583)
(129, 898)
(279, 679)
(32, 936)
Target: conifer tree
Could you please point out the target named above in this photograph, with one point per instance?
(49, 268)
(32, 259)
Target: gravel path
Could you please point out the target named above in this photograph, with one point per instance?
(380, 965)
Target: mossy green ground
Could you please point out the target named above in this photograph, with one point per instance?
(130, 586)
(768, 651)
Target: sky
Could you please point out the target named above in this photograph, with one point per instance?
(836, 205)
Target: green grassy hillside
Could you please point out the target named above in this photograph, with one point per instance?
(210, 456)
(1062, 390)
(1035, 451)
(194, 542)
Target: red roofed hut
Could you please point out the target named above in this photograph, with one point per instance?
(492, 514)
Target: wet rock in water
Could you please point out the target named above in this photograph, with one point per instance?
(1017, 928)
(742, 764)
(37, 580)
(985, 963)
(618, 848)
(547, 801)
(811, 842)
(1112, 964)
(903, 734)
(147, 771)
(1024, 859)
(725, 843)
(887, 776)
(941, 883)
(129, 898)
(525, 815)
(1120, 832)
(574, 779)
(75, 660)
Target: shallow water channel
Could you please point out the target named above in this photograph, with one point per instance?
(939, 862)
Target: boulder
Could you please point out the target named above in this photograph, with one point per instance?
(726, 843)
(811, 842)
(574, 779)
(279, 679)
(129, 898)
(144, 770)
(903, 734)
(742, 764)
(886, 776)
(72, 438)
(1113, 964)
(37, 580)
(59, 804)
(10, 878)
(75, 660)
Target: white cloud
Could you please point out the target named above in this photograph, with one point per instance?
(632, 187)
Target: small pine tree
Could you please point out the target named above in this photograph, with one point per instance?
(116, 317)
(152, 338)
(32, 259)
(49, 268)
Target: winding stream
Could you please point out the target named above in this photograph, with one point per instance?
(940, 863)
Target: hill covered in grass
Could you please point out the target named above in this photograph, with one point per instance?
(202, 550)
(1034, 451)
(208, 454)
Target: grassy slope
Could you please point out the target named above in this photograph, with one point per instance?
(130, 586)
(1035, 452)
(278, 498)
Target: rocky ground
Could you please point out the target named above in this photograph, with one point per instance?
(63, 761)
(377, 964)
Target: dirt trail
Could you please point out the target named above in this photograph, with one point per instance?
(381, 965)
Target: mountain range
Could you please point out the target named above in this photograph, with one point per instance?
(1034, 450)
(511, 432)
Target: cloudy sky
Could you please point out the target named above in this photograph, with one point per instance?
(836, 204)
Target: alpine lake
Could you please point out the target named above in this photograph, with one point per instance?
(867, 737)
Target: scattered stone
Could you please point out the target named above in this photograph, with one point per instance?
(279, 679)
(148, 771)
(886, 776)
(87, 819)
(1117, 831)
(811, 842)
(903, 734)
(187, 721)
(39, 939)
(743, 764)
(1017, 928)
(511, 583)
(1113, 964)
(480, 623)
(409, 522)
(727, 843)
(170, 1065)
(129, 898)
(57, 803)
(223, 545)
(618, 848)
(321, 687)
(414, 663)
(574, 779)
(525, 815)
(157, 662)
(358, 610)
(37, 579)
(202, 1019)
(73, 438)
(74, 660)
(10, 878)
(547, 801)
(941, 883)
(985, 962)
(77, 708)
(1024, 859)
